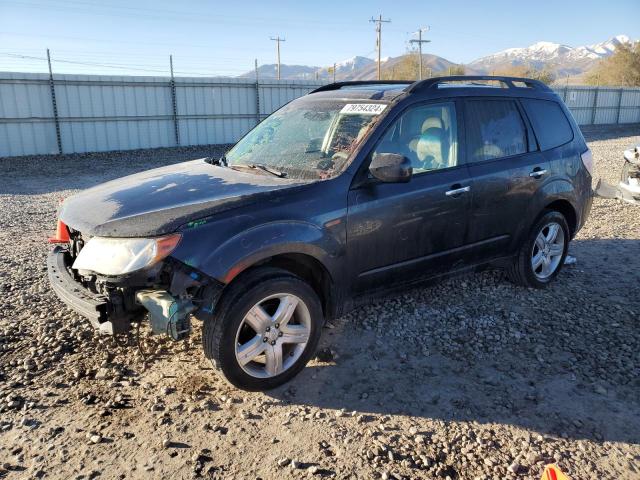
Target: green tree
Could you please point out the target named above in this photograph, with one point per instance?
(620, 69)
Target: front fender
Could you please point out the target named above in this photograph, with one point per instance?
(246, 248)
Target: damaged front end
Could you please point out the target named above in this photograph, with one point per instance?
(630, 179)
(628, 189)
(166, 290)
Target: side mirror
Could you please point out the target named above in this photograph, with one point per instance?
(391, 168)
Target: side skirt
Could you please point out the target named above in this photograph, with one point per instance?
(393, 290)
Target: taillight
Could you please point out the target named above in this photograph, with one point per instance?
(587, 161)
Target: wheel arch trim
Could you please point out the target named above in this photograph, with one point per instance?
(262, 242)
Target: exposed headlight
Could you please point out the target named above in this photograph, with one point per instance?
(117, 256)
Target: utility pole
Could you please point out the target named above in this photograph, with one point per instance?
(420, 41)
(278, 40)
(379, 21)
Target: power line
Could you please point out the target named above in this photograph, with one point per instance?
(135, 67)
(420, 41)
(156, 44)
(94, 64)
(110, 56)
(278, 40)
(122, 11)
(379, 21)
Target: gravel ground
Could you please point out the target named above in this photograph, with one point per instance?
(473, 378)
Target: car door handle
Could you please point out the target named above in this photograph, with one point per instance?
(457, 191)
(538, 173)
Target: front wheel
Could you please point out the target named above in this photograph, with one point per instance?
(265, 331)
(542, 254)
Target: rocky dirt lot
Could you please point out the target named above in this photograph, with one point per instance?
(473, 378)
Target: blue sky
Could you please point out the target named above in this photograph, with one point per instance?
(223, 37)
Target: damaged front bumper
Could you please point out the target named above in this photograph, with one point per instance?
(92, 306)
(628, 189)
(630, 192)
(169, 299)
(626, 192)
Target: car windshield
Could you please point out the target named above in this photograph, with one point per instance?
(306, 139)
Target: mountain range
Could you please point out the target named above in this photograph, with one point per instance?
(561, 60)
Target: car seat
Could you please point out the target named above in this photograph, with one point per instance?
(432, 149)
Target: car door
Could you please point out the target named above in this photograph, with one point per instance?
(397, 232)
(506, 169)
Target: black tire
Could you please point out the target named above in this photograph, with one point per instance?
(521, 271)
(219, 333)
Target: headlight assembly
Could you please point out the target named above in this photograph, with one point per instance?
(118, 256)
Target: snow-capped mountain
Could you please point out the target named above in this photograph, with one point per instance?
(347, 67)
(602, 49)
(287, 72)
(562, 59)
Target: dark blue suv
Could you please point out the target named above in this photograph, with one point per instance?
(352, 191)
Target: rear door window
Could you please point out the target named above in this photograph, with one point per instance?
(549, 122)
(495, 129)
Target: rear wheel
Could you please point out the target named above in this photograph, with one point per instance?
(542, 254)
(265, 331)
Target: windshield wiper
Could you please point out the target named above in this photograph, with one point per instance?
(260, 166)
(270, 170)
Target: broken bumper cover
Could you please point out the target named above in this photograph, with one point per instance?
(623, 191)
(90, 305)
(630, 193)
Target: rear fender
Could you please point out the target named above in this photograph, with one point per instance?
(558, 189)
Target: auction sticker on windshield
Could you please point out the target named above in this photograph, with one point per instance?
(363, 108)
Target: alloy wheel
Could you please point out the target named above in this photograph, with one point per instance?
(547, 250)
(273, 335)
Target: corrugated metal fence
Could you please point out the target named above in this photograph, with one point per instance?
(101, 113)
(602, 105)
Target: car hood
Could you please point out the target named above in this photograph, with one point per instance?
(159, 201)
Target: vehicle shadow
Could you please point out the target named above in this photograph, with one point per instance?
(562, 361)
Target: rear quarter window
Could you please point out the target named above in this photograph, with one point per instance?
(551, 125)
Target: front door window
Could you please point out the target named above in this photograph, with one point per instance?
(426, 135)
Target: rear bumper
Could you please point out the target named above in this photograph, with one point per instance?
(90, 305)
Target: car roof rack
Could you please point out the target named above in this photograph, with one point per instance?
(509, 82)
(356, 83)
